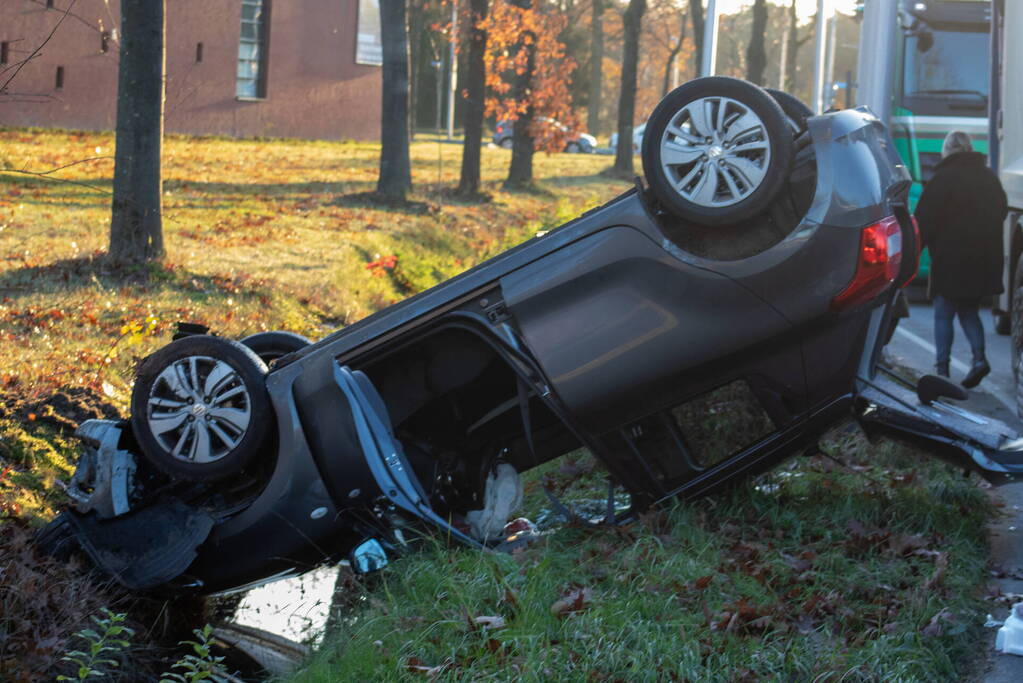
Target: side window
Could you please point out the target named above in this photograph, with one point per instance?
(252, 48)
(686, 440)
(722, 422)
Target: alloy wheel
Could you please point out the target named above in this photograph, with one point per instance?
(715, 151)
(198, 409)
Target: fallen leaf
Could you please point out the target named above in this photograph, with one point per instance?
(938, 577)
(576, 600)
(933, 627)
(490, 623)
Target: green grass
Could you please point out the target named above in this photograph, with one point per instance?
(815, 573)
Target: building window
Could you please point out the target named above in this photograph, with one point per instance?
(60, 78)
(252, 48)
(104, 42)
(198, 52)
(5, 52)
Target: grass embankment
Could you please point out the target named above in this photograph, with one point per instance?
(818, 572)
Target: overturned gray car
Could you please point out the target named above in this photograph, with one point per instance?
(760, 260)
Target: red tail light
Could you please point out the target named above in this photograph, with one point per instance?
(878, 266)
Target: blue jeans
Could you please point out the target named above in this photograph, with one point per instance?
(969, 319)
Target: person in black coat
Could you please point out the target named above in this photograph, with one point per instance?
(960, 213)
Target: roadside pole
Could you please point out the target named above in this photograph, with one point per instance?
(874, 65)
(708, 64)
(820, 44)
(453, 70)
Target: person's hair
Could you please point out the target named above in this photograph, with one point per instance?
(956, 141)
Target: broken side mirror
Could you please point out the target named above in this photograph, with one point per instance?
(368, 556)
(931, 387)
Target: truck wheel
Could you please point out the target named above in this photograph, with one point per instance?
(270, 346)
(200, 410)
(717, 151)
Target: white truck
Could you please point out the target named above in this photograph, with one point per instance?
(1007, 157)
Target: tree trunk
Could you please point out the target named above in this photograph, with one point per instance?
(520, 172)
(696, 12)
(416, 21)
(475, 101)
(792, 54)
(756, 53)
(395, 168)
(633, 22)
(136, 231)
(673, 55)
(596, 68)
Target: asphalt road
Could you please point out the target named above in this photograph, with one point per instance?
(912, 346)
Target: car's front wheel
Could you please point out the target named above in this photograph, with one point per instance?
(573, 148)
(270, 346)
(717, 151)
(507, 143)
(200, 409)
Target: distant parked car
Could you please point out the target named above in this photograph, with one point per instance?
(637, 139)
(583, 143)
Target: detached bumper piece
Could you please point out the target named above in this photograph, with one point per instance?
(146, 548)
(890, 404)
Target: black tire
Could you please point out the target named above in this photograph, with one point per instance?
(773, 164)
(573, 148)
(506, 143)
(270, 346)
(796, 112)
(58, 538)
(172, 376)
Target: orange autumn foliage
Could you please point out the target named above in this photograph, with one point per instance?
(511, 31)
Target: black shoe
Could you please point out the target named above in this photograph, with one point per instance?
(978, 372)
(941, 369)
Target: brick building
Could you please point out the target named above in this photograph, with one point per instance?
(287, 68)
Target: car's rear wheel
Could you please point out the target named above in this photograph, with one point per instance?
(200, 409)
(795, 111)
(270, 346)
(573, 148)
(507, 143)
(717, 151)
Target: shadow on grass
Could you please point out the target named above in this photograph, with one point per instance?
(76, 273)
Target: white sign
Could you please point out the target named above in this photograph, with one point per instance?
(368, 48)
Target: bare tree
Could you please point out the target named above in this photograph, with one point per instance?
(596, 68)
(674, 47)
(136, 230)
(395, 179)
(633, 22)
(756, 53)
(520, 171)
(475, 100)
(696, 12)
(794, 43)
